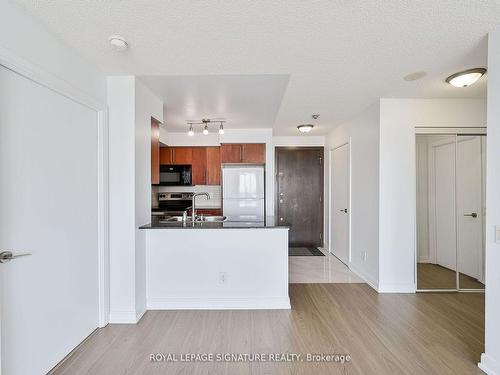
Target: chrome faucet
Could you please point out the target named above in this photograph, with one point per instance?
(193, 211)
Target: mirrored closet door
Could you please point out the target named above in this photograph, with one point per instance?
(450, 172)
(471, 168)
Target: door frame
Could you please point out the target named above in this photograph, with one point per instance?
(276, 182)
(46, 79)
(330, 188)
(450, 131)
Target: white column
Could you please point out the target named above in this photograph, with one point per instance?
(490, 359)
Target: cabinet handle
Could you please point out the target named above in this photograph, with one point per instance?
(206, 178)
(173, 156)
(241, 153)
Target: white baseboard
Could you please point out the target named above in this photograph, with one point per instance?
(424, 259)
(396, 288)
(218, 303)
(123, 317)
(489, 365)
(139, 315)
(368, 279)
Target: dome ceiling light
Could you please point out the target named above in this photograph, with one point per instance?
(466, 77)
(305, 128)
(118, 43)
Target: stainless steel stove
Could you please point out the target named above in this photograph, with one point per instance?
(173, 203)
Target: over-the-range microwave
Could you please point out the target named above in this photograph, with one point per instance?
(175, 175)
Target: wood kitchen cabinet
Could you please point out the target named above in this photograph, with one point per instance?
(213, 166)
(176, 155)
(206, 166)
(243, 153)
(155, 152)
(199, 166)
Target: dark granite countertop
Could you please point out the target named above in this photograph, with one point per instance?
(269, 222)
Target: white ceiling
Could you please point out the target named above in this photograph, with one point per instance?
(340, 55)
(245, 101)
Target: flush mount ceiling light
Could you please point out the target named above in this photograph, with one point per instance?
(466, 78)
(118, 43)
(414, 76)
(306, 128)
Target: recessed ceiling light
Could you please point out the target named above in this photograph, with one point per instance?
(414, 76)
(306, 128)
(118, 43)
(465, 78)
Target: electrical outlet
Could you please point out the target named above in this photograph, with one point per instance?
(223, 278)
(363, 256)
(497, 233)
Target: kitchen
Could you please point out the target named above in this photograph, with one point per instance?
(209, 231)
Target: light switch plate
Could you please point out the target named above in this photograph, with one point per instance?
(497, 233)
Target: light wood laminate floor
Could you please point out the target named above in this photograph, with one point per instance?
(438, 333)
(434, 276)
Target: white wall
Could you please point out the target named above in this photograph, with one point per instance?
(490, 360)
(147, 105)
(121, 105)
(363, 134)
(131, 107)
(398, 119)
(21, 36)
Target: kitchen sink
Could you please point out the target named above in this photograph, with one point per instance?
(211, 219)
(176, 218)
(201, 219)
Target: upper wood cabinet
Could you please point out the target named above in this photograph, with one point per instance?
(213, 166)
(243, 153)
(199, 166)
(176, 155)
(155, 152)
(254, 153)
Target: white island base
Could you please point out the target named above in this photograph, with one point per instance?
(215, 269)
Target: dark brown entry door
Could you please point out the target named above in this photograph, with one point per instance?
(300, 194)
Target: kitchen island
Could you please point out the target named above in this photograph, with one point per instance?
(233, 264)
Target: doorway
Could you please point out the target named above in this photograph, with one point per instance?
(299, 189)
(339, 203)
(450, 211)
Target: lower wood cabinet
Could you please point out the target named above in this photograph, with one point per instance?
(208, 211)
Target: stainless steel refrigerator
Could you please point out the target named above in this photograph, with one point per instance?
(243, 192)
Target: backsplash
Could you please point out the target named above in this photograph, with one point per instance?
(214, 191)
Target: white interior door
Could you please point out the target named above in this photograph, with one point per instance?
(339, 203)
(469, 206)
(49, 205)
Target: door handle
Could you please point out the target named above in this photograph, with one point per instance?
(7, 256)
(344, 210)
(473, 214)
